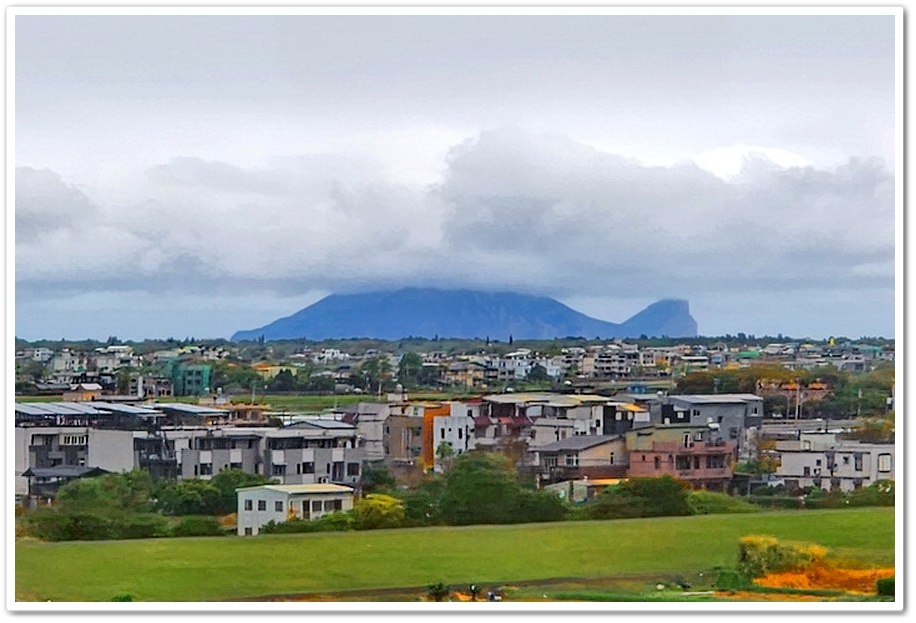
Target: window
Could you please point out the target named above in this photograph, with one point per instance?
(352, 469)
(441, 433)
(806, 471)
(572, 460)
(278, 506)
(316, 506)
(308, 468)
(206, 469)
(859, 461)
(612, 458)
(338, 505)
(329, 505)
(817, 462)
(247, 531)
(884, 462)
(460, 433)
(696, 462)
(550, 461)
(698, 436)
(715, 461)
(262, 505)
(278, 470)
(682, 463)
(248, 505)
(658, 462)
(235, 466)
(686, 440)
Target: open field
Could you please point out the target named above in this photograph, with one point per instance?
(220, 569)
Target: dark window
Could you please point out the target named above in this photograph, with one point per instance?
(460, 433)
(247, 531)
(859, 459)
(658, 462)
(262, 505)
(206, 469)
(715, 461)
(441, 433)
(682, 462)
(352, 469)
(316, 506)
(806, 471)
(329, 505)
(278, 506)
(248, 505)
(696, 462)
(308, 468)
(278, 470)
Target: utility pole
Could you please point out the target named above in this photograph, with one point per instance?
(797, 398)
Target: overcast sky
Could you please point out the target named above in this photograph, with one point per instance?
(193, 176)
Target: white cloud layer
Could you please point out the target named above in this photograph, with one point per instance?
(514, 210)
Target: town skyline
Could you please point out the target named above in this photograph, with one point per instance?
(200, 175)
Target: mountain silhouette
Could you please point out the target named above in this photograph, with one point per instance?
(428, 312)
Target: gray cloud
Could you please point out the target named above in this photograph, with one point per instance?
(515, 210)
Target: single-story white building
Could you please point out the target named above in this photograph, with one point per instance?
(262, 504)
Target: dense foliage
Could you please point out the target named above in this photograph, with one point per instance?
(640, 497)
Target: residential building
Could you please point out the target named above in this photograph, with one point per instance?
(591, 456)
(823, 461)
(698, 455)
(260, 505)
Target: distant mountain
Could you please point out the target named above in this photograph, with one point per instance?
(426, 312)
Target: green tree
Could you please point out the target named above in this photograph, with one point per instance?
(377, 510)
(376, 478)
(227, 481)
(188, 497)
(410, 369)
(284, 381)
(480, 488)
(538, 374)
(124, 492)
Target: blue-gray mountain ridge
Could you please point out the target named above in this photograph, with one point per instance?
(466, 314)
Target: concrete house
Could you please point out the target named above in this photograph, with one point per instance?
(698, 455)
(733, 414)
(260, 505)
(592, 456)
(823, 461)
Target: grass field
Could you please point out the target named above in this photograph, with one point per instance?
(220, 569)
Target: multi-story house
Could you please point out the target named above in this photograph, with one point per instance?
(734, 415)
(583, 456)
(823, 461)
(698, 455)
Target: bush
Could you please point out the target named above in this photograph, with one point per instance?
(731, 580)
(614, 504)
(50, 524)
(711, 503)
(334, 522)
(144, 526)
(760, 555)
(379, 511)
(662, 497)
(198, 525)
(438, 591)
(885, 586)
(538, 506)
(123, 597)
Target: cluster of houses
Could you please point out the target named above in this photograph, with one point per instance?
(573, 444)
(187, 370)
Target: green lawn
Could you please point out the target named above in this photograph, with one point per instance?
(217, 569)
